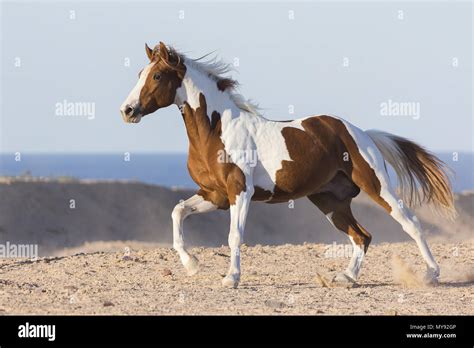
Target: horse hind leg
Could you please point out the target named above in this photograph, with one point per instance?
(340, 215)
(376, 184)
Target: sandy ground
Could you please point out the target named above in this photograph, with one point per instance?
(275, 280)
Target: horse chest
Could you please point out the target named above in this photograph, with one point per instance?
(205, 168)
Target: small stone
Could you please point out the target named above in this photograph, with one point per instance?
(166, 272)
(274, 304)
(108, 304)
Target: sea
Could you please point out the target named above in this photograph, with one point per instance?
(168, 170)
(165, 169)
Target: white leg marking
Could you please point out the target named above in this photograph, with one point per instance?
(238, 217)
(329, 217)
(353, 269)
(411, 225)
(194, 205)
(355, 264)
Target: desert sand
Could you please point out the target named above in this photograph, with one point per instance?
(276, 280)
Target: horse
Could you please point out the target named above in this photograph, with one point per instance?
(324, 158)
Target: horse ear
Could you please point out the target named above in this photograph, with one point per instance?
(149, 52)
(164, 51)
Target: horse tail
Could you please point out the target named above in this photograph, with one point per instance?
(422, 176)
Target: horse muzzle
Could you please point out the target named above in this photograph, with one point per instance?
(131, 113)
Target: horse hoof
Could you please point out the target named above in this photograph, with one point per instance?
(342, 278)
(230, 281)
(192, 266)
(431, 278)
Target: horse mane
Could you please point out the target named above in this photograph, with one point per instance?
(217, 69)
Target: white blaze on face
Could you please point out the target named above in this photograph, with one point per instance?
(133, 98)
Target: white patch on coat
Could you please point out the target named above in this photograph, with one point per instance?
(194, 83)
(251, 133)
(214, 70)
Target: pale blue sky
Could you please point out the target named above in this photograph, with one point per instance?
(282, 62)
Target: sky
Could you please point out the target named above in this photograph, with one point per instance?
(402, 67)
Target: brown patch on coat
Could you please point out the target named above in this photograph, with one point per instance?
(220, 181)
(314, 154)
(318, 153)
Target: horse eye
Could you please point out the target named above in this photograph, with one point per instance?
(156, 76)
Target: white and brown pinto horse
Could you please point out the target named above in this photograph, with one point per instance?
(324, 158)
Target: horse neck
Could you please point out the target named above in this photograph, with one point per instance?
(196, 82)
(220, 114)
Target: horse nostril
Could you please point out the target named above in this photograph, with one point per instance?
(128, 110)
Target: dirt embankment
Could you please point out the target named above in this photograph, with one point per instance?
(67, 214)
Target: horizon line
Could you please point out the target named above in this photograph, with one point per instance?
(8, 153)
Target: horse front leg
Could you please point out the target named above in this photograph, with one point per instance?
(238, 217)
(194, 205)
